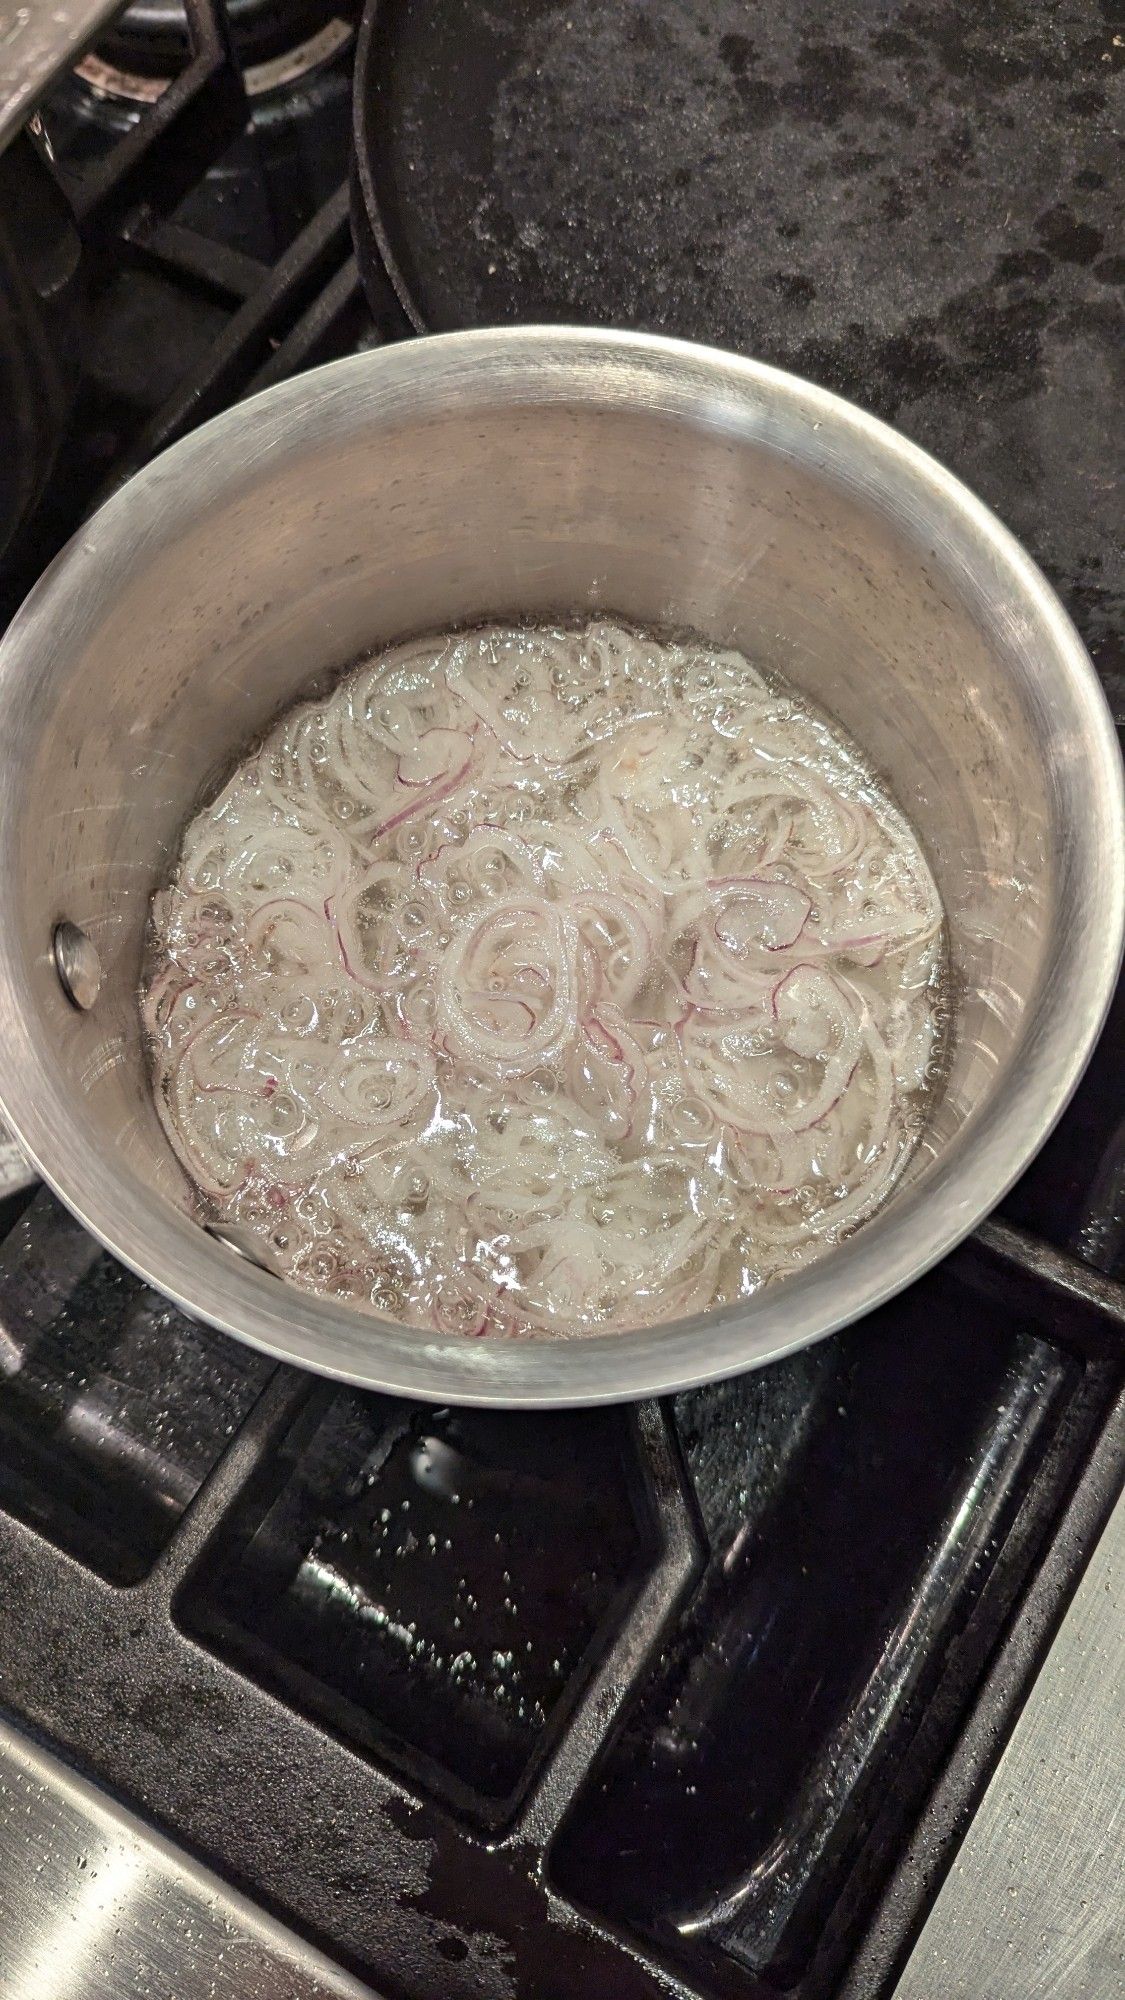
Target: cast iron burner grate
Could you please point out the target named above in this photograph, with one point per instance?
(437, 1587)
(692, 1699)
(552, 1704)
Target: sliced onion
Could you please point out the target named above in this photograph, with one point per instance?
(536, 981)
(607, 1074)
(777, 1073)
(422, 799)
(287, 934)
(377, 1083)
(490, 861)
(755, 914)
(434, 758)
(520, 950)
(619, 935)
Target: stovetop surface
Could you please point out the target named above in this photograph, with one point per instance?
(914, 205)
(682, 1699)
(489, 1703)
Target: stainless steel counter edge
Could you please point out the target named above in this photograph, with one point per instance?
(1034, 1906)
(94, 1903)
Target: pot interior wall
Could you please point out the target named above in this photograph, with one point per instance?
(264, 572)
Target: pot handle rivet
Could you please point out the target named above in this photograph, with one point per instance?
(77, 964)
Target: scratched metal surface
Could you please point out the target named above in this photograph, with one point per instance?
(36, 42)
(15, 1173)
(1035, 1904)
(95, 1903)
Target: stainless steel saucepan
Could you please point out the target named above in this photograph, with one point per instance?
(526, 473)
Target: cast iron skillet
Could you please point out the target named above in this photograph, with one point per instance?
(377, 222)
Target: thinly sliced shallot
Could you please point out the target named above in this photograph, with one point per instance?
(542, 981)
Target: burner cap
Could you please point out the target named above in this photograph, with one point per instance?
(151, 37)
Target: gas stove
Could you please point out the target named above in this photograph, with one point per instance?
(685, 1699)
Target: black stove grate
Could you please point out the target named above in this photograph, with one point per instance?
(401, 1577)
(217, 259)
(102, 1445)
(592, 1702)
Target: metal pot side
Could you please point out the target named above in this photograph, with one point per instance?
(527, 473)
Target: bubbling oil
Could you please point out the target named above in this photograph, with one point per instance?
(546, 980)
